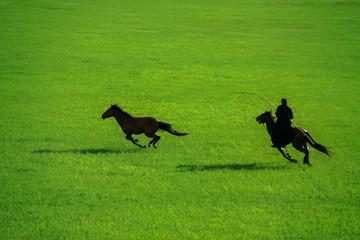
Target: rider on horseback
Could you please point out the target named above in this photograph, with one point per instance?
(283, 132)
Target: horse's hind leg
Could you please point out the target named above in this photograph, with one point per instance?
(154, 140)
(307, 153)
(303, 148)
(129, 137)
(151, 142)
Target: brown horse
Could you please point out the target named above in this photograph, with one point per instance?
(137, 125)
(299, 142)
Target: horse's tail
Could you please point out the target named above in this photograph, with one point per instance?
(316, 145)
(167, 127)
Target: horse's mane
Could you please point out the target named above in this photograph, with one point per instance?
(272, 116)
(121, 110)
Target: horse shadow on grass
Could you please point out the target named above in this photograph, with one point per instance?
(86, 151)
(233, 167)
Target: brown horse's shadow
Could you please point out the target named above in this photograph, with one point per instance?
(87, 151)
(234, 167)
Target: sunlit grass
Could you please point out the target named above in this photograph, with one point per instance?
(68, 174)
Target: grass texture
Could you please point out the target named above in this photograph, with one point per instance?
(67, 174)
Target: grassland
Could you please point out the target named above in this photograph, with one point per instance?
(67, 174)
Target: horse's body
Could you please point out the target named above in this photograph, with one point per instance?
(138, 125)
(299, 142)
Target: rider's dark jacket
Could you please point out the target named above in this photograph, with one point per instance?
(284, 114)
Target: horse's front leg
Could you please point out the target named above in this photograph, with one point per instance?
(287, 156)
(129, 137)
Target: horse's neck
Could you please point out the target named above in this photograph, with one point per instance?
(270, 125)
(122, 118)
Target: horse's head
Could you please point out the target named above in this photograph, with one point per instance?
(263, 118)
(109, 112)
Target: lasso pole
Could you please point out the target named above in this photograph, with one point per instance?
(258, 96)
(250, 93)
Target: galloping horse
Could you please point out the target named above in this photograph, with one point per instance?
(299, 142)
(137, 125)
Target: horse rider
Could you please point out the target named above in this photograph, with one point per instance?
(282, 131)
(284, 114)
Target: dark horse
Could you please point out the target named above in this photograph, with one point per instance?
(137, 125)
(299, 142)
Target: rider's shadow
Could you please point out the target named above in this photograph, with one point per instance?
(234, 167)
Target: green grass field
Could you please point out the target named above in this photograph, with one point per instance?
(67, 174)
